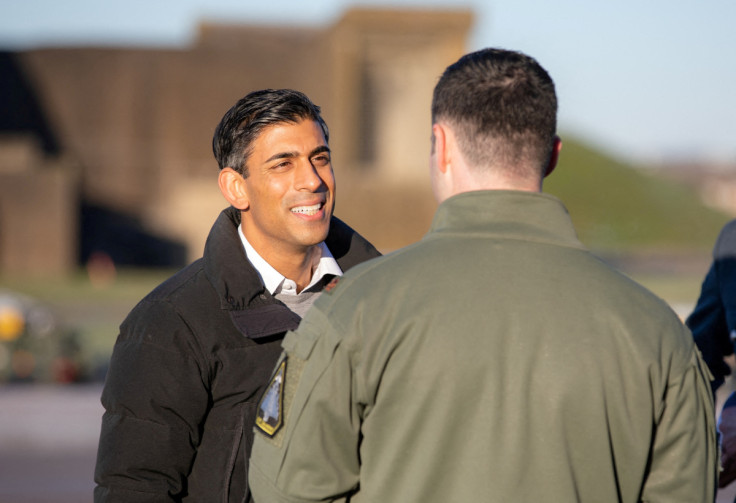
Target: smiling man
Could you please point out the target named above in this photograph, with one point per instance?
(194, 357)
(286, 197)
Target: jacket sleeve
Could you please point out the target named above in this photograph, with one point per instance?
(714, 317)
(710, 331)
(154, 399)
(314, 455)
(684, 455)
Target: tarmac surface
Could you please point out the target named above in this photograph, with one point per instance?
(48, 443)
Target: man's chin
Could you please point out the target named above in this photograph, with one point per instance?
(314, 235)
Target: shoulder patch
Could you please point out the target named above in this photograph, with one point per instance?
(332, 284)
(271, 407)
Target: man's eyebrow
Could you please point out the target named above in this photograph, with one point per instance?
(319, 150)
(281, 155)
(289, 155)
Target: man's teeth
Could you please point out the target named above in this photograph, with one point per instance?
(307, 210)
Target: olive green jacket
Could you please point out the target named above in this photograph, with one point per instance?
(495, 360)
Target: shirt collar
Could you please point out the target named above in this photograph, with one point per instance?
(274, 281)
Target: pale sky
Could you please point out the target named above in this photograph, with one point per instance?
(643, 79)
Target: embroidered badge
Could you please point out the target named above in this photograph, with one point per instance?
(270, 410)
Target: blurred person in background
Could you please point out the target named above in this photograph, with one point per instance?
(713, 324)
(193, 357)
(497, 359)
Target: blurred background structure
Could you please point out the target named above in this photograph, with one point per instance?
(107, 150)
(108, 113)
(108, 183)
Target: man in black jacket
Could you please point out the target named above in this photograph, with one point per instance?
(193, 357)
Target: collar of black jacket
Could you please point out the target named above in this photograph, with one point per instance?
(239, 286)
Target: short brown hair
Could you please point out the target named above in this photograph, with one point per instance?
(503, 107)
(241, 125)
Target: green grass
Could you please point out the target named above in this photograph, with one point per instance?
(615, 206)
(675, 289)
(128, 285)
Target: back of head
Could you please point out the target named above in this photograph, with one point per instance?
(241, 125)
(503, 109)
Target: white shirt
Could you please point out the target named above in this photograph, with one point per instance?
(275, 282)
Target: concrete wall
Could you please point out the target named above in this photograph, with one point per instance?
(38, 212)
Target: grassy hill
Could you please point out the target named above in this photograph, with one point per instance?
(615, 206)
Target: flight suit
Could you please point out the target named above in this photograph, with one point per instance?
(495, 360)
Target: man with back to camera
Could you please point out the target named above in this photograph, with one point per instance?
(194, 356)
(496, 359)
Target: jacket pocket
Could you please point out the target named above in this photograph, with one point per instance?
(249, 418)
(237, 490)
(230, 480)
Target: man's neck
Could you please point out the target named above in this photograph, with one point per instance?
(297, 266)
(296, 263)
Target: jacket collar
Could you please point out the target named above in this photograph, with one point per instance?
(529, 216)
(254, 311)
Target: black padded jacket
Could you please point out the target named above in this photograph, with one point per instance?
(187, 370)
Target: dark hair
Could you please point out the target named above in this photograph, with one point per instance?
(232, 143)
(503, 107)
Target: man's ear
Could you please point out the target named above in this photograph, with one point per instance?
(440, 146)
(554, 157)
(233, 188)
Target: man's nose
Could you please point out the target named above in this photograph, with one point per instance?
(307, 177)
